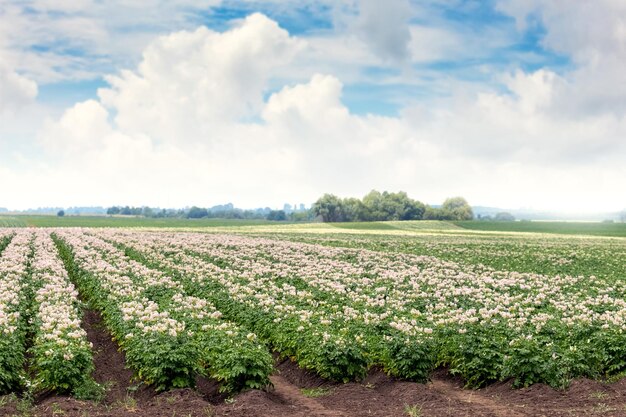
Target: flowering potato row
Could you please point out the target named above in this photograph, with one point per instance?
(484, 324)
(5, 238)
(13, 306)
(169, 337)
(522, 252)
(300, 320)
(61, 353)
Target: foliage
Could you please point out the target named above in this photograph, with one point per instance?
(375, 206)
(455, 208)
(197, 213)
(399, 296)
(277, 215)
(168, 336)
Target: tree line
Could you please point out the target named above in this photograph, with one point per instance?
(225, 211)
(377, 206)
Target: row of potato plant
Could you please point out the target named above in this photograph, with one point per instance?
(169, 336)
(61, 355)
(523, 252)
(14, 262)
(299, 318)
(483, 324)
(5, 238)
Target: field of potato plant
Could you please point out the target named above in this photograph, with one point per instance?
(182, 304)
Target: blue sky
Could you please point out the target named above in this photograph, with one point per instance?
(371, 93)
(507, 102)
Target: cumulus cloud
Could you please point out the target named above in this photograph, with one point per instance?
(201, 80)
(83, 39)
(385, 27)
(15, 90)
(195, 122)
(593, 35)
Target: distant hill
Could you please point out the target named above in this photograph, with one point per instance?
(530, 214)
(54, 210)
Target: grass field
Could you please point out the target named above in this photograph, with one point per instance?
(11, 222)
(394, 227)
(122, 221)
(568, 228)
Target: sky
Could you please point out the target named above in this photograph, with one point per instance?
(508, 103)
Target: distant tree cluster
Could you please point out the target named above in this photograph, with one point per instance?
(225, 211)
(499, 217)
(455, 208)
(377, 206)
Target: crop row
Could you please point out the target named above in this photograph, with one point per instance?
(297, 322)
(13, 303)
(39, 313)
(61, 353)
(404, 312)
(169, 337)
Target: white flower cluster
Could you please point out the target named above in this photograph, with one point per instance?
(56, 302)
(260, 292)
(13, 272)
(147, 318)
(124, 280)
(411, 294)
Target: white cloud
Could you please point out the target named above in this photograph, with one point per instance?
(83, 39)
(15, 90)
(385, 27)
(201, 80)
(192, 125)
(593, 35)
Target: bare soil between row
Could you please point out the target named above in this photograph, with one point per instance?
(299, 393)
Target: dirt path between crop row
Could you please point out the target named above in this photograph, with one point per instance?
(302, 404)
(473, 398)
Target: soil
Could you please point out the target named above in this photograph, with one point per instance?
(298, 393)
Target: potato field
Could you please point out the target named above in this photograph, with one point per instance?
(229, 308)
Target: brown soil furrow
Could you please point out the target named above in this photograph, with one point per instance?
(475, 398)
(110, 365)
(291, 395)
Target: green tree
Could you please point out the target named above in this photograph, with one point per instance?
(329, 207)
(352, 209)
(400, 207)
(373, 207)
(277, 215)
(433, 213)
(61, 213)
(457, 208)
(197, 213)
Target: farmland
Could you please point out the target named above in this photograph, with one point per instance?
(370, 313)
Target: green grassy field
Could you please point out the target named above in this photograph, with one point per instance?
(395, 227)
(106, 221)
(568, 228)
(6, 221)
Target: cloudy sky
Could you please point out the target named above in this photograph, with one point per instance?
(509, 103)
